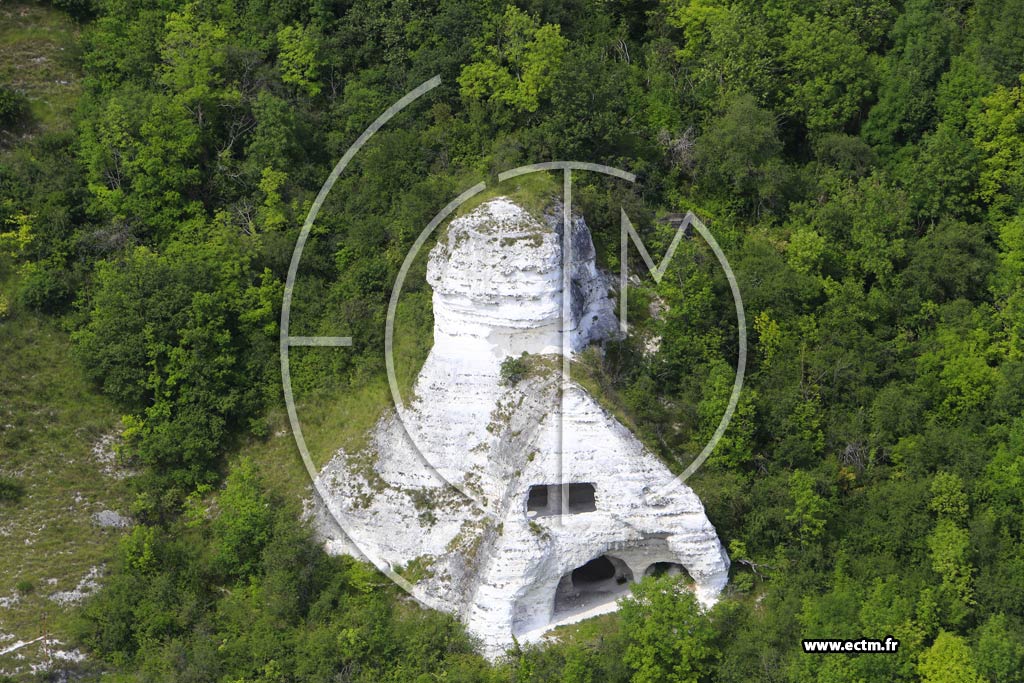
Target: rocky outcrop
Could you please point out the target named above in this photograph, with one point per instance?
(554, 517)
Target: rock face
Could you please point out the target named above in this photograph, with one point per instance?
(559, 517)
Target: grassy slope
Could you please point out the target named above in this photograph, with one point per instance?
(50, 421)
(38, 52)
(50, 418)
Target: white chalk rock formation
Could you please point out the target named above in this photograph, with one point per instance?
(562, 516)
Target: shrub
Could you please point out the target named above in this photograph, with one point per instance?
(44, 286)
(13, 105)
(77, 9)
(10, 489)
(513, 370)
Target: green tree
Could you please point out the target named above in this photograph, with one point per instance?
(515, 62)
(738, 153)
(949, 548)
(142, 162)
(809, 508)
(298, 57)
(908, 74)
(999, 652)
(1008, 284)
(833, 73)
(997, 134)
(13, 106)
(181, 339)
(948, 498)
(244, 520)
(670, 640)
(194, 56)
(948, 660)
(725, 49)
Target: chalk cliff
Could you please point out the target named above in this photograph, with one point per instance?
(561, 518)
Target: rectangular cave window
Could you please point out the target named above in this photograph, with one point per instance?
(581, 498)
(546, 499)
(538, 500)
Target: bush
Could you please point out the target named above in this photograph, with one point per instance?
(77, 9)
(44, 286)
(10, 489)
(13, 105)
(513, 370)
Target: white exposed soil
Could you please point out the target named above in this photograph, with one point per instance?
(86, 587)
(104, 452)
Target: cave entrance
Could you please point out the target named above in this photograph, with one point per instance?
(597, 570)
(591, 587)
(546, 499)
(668, 569)
(537, 500)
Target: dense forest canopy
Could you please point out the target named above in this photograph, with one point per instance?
(861, 164)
